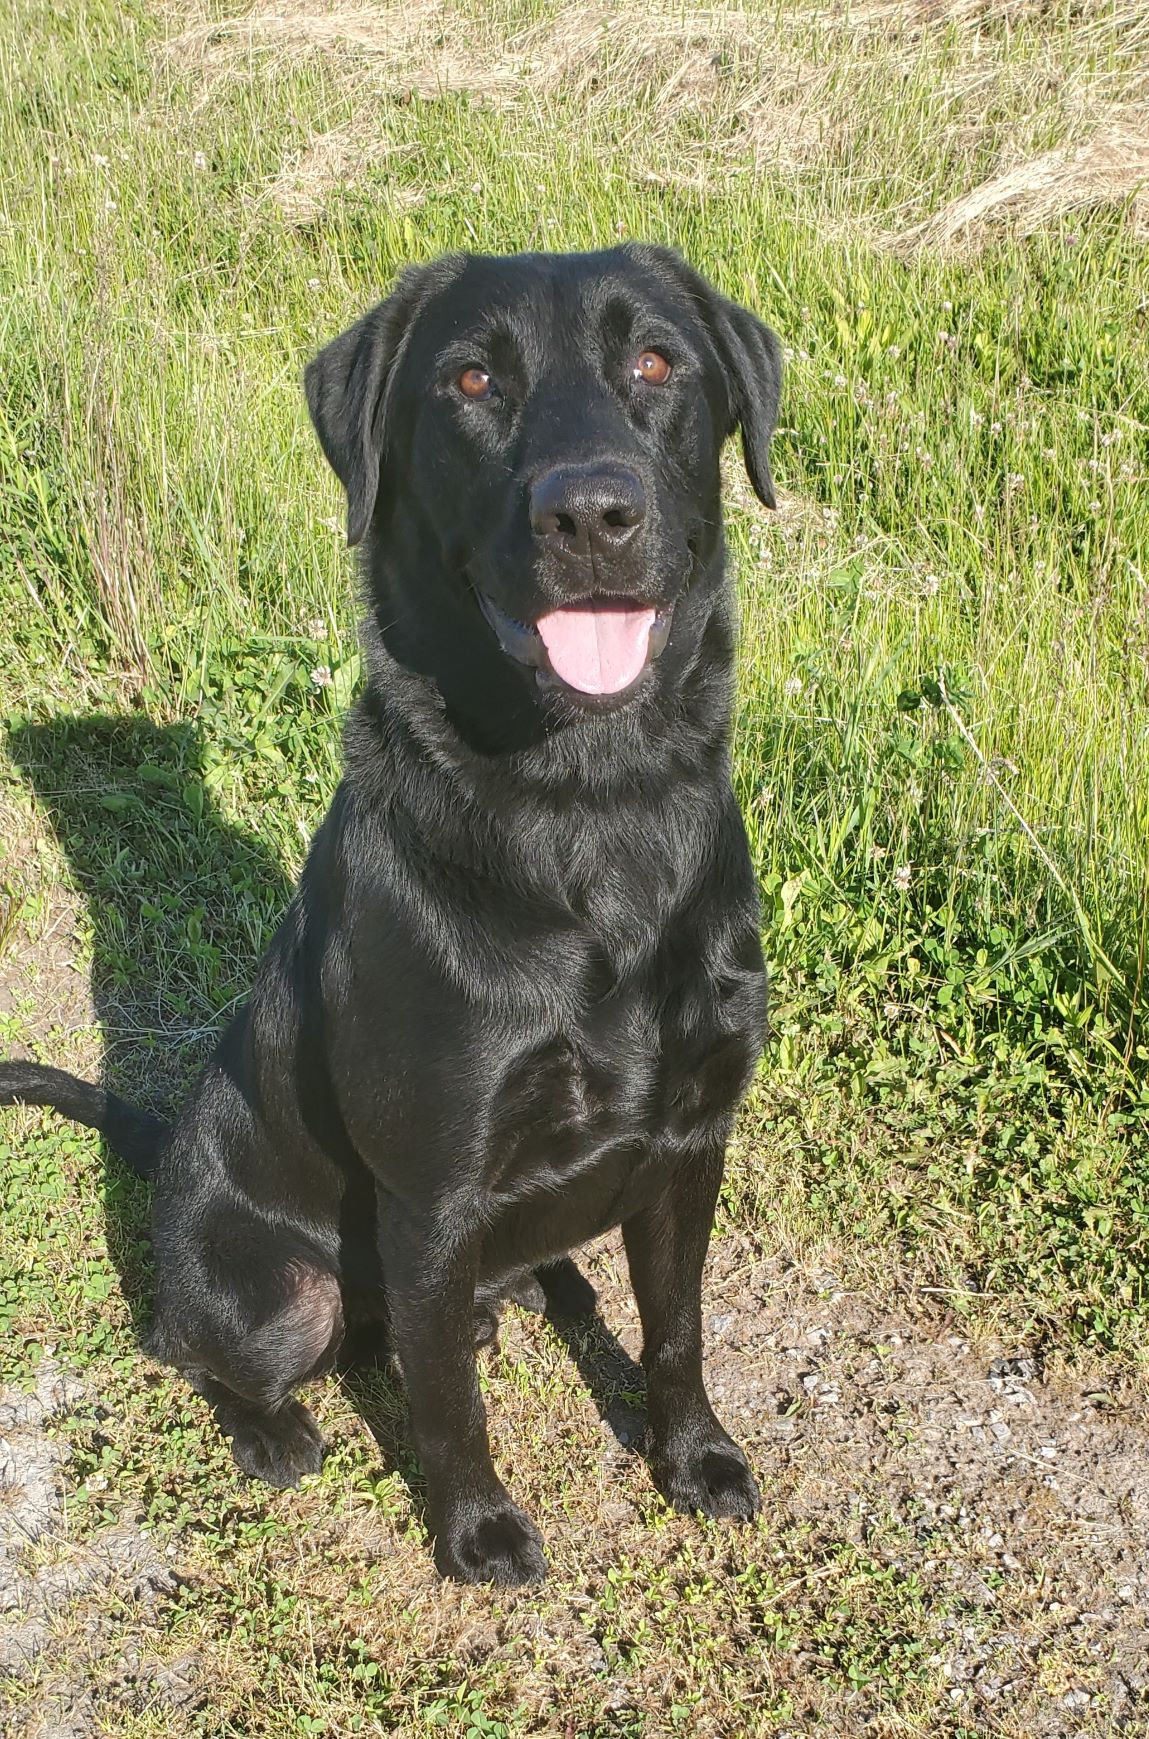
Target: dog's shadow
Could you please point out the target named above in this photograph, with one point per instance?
(181, 905)
(616, 1382)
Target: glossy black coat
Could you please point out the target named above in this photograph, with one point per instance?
(519, 992)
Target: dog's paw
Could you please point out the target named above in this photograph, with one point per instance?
(566, 1289)
(485, 1331)
(528, 1295)
(496, 1543)
(278, 1448)
(713, 1477)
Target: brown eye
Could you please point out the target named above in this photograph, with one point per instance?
(475, 383)
(653, 367)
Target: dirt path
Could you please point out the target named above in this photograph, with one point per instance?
(1026, 1497)
(70, 1610)
(1016, 1504)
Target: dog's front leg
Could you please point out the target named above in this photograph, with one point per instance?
(695, 1463)
(480, 1535)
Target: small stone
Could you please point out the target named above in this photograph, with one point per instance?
(1016, 1365)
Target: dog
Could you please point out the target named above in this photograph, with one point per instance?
(519, 993)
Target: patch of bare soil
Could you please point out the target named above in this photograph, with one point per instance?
(71, 1614)
(40, 981)
(1015, 1498)
(1020, 1497)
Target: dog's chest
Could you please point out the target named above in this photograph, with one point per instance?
(643, 1078)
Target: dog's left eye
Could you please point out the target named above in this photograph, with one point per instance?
(475, 383)
(652, 366)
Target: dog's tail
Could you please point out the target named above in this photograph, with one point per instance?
(136, 1135)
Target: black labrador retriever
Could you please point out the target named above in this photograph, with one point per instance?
(519, 991)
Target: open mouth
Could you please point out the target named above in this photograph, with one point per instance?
(598, 646)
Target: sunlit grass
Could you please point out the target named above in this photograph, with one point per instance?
(942, 743)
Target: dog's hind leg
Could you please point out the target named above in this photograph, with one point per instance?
(278, 1445)
(248, 1369)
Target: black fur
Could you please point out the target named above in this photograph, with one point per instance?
(519, 992)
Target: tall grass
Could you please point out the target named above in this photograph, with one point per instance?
(943, 727)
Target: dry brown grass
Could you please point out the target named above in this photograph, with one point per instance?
(671, 59)
(444, 48)
(340, 158)
(297, 29)
(802, 92)
(1112, 168)
(425, 49)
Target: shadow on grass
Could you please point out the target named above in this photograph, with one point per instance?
(617, 1383)
(181, 905)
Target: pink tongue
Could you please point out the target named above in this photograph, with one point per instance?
(597, 651)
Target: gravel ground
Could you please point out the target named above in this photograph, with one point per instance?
(1018, 1498)
(69, 1610)
(1024, 1492)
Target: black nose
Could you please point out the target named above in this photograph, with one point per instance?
(587, 508)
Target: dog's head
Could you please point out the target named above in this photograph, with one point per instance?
(553, 424)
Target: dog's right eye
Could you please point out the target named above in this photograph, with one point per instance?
(475, 383)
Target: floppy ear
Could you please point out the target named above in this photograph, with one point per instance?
(751, 359)
(346, 387)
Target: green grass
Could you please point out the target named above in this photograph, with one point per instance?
(943, 720)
